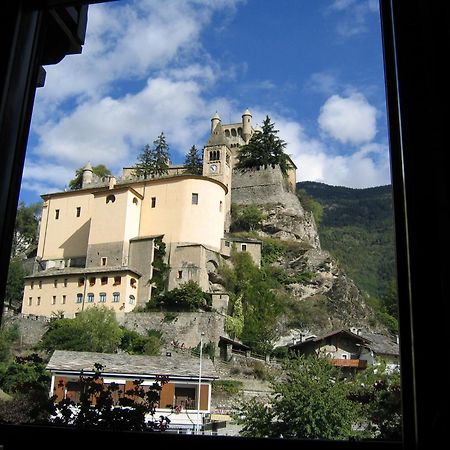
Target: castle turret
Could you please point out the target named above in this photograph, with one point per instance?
(246, 125)
(87, 175)
(215, 121)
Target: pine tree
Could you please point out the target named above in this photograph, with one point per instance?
(161, 156)
(193, 162)
(153, 161)
(264, 149)
(144, 168)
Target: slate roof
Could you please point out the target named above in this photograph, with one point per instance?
(381, 344)
(54, 271)
(179, 365)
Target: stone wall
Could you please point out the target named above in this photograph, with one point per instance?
(185, 328)
(261, 187)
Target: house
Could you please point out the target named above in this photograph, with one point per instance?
(179, 398)
(342, 347)
(381, 349)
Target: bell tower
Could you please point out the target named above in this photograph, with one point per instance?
(217, 162)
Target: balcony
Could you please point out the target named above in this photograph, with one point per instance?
(354, 363)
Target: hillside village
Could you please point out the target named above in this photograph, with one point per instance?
(103, 244)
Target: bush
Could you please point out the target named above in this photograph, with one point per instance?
(189, 296)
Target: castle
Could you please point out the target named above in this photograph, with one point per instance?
(97, 244)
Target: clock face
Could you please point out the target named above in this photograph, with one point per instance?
(213, 168)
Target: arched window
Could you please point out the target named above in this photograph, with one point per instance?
(131, 299)
(227, 133)
(233, 132)
(110, 198)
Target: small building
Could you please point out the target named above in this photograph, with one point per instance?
(179, 398)
(343, 348)
(381, 349)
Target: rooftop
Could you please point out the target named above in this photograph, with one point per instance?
(178, 365)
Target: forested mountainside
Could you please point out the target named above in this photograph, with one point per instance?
(356, 226)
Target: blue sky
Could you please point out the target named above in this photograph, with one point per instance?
(151, 66)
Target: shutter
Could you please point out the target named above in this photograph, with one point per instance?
(204, 397)
(59, 388)
(167, 396)
(129, 386)
(94, 397)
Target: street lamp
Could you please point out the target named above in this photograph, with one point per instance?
(199, 383)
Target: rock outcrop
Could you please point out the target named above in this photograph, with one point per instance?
(285, 219)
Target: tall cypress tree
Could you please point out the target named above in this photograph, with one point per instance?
(193, 162)
(264, 149)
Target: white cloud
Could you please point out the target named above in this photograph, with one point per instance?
(367, 166)
(348, 119)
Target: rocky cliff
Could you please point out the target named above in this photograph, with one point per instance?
(329, 299)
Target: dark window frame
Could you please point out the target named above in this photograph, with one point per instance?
(414, 41)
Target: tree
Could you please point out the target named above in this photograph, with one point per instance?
(248, 218)
(93, 330)
(311, 205)
(264, 149)
(153, 161)
(309, 402)
(188, 296)
(14, 283)
(161, 153)
(101, 171)
(26, 228)
(377, 391)
(193, 162)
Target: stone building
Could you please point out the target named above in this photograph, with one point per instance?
(97, 244)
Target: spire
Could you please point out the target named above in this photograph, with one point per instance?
(215, 120)
(246, 125)
(87, 175)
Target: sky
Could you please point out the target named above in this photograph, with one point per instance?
(314, 67)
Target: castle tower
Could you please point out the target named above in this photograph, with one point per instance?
(217, 163)
(246, 126)
(215, 120)
(88, 175)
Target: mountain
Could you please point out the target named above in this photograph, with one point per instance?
(357, 228)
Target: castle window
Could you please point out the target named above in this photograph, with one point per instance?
(104, 280)
(81, 281)
(78, 211)
(110, 198)
(63, 300)
(90, 297)
(116, 297)
(31, 284)
(65, 282)
(102, 297)
(227, 243)
(131, 299)
(38, 301)
(117, 281)
(133, 283)
(135, 200)
(227, 133)
(54, 300)
(218, 155)
(40, 284)
(30, 301)
(56, 214)
(194, 199)
(92, 281)
(153, 200)
(180, 274)
(79, 298)
(233, 132)
(244, 247)
(104, 261)
(55, 283)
